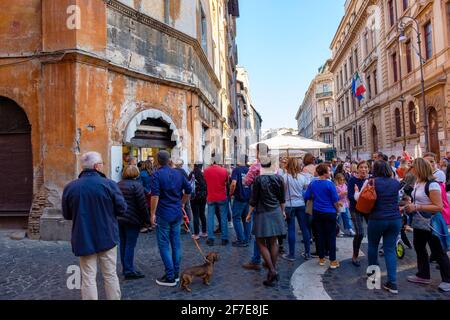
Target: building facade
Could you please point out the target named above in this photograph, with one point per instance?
(392, 117)
(249, 121)
(315, 117)
(125, 78)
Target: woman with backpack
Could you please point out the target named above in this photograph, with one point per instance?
(429, 225)
(198, 201)
(384, 220)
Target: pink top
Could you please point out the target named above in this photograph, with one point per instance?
(253, 172)
(343, 198)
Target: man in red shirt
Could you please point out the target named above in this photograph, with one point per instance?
(216, 181)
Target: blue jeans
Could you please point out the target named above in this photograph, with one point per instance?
(256, 257)
(168, 238)
(128, 238)
(240, 211)
(223, 219)
(346, 219)
(293, 214)
(389, 230)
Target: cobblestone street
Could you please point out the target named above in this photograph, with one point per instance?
(37, 270)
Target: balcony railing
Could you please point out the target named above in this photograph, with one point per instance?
(324, 94)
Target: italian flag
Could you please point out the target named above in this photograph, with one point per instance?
(358, 88)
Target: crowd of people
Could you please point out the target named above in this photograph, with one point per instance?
(264, 201)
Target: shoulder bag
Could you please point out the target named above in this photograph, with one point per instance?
(367, 198)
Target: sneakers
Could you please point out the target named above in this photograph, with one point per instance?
(203, 235)
(133, 276)
(239, 244)
(165, 282)
(252, 266)
(416, 279)
(195, 237)
(306, 256)
(392, 288)
(356, 263)
(444, 286)
(334, 264)
(351, 233)
(322, 262)
(210, 242)
(314, 255)
(287, 257)
(340, 234)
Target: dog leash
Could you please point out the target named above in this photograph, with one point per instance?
(186, 221)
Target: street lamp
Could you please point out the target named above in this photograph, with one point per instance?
(402, 38)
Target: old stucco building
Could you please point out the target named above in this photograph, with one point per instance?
(315, 114)
(125, 77)
(391, 117)
(249, 121)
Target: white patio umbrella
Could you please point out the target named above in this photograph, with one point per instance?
(294, 143)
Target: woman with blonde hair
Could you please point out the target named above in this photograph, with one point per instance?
(136, 216)
(295, 184)
(426, 207)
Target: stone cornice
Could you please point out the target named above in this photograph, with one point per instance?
(164, 28)
(351, 34)
(84, 57)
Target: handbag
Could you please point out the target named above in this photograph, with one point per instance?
(418, 220)
(367, 198)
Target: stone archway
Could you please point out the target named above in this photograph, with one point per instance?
(16, 172)
(135, 122)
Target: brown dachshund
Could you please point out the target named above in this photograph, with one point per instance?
(204, 271)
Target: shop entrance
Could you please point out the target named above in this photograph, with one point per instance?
(150, 137)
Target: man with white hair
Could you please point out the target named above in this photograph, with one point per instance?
(93, 203)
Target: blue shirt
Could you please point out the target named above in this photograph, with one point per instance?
(324, 195)
(145, 180)
(351, 190)
(168, 184)
(242, 192)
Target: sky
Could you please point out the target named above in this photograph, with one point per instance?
(282, 44)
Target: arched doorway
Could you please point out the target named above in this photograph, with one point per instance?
(16, 169)
(433, 128)
(374, 139)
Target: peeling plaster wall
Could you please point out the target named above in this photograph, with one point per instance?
(139, 47)
(182, 13)
(20, 26)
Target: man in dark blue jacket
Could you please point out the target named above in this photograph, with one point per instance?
(93, 203)
(167, 201)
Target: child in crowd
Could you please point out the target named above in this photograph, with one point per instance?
(344, 220)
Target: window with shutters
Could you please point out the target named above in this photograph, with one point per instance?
(408, 49)
(428, 41)
(398, 123)
(412, 118)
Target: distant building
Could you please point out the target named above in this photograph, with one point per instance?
(249, 120)
(268, 134)
(315, 117)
